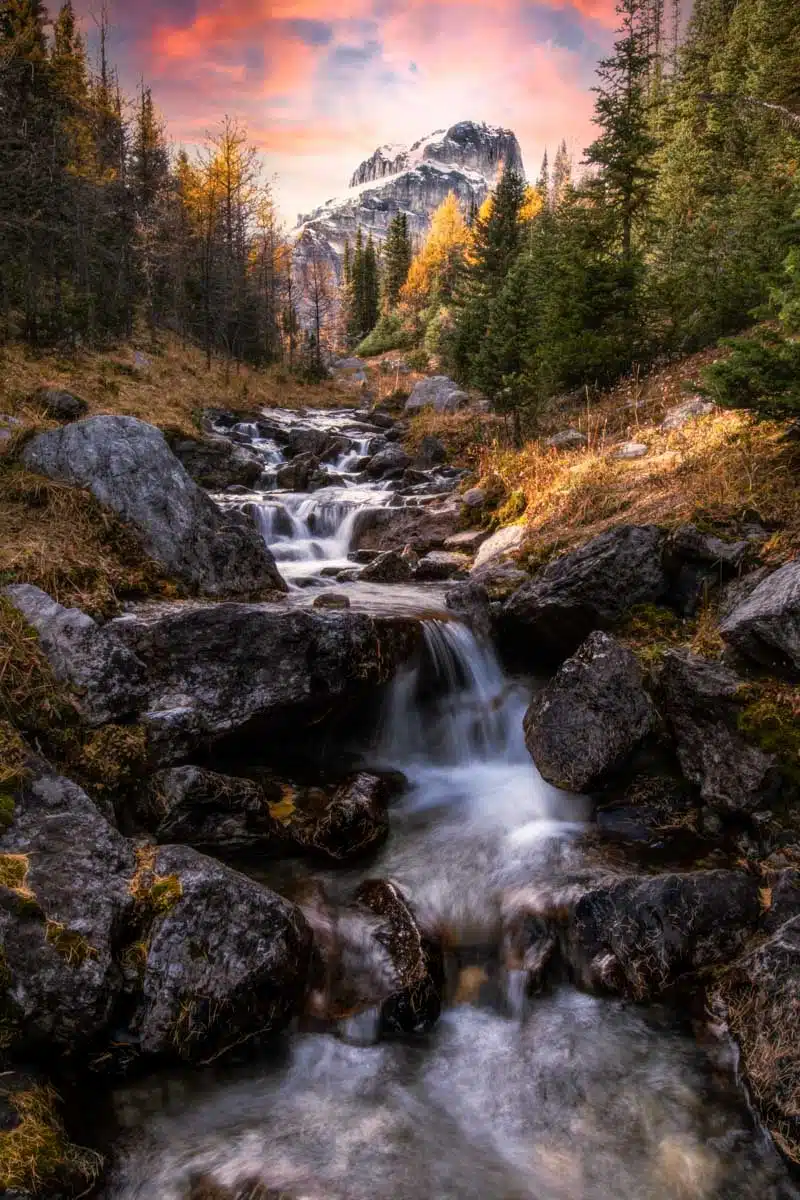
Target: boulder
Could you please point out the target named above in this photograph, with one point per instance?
(389, 567)
(65, 900)
(393, 528)
(468, 541)
(697, 563)
(128, 466)
(500, 545)
(639, 936)
(296, 475)
(567, 439)
(216, 463)
(59, 404)
(338, 826)
(217, 812)
(332, 599)
(216, 669)
(474, 498)
(470, 603)
(392, 460)
(586, 589)
(439, 565)
(703, 704)
(431, 453)
(227, 960)
(587, 721)
(759, 997)
(689, 410)
(108, 680)
(437, 392)
(499, 579)
(316, 442)
(766, 626)
(629, 450)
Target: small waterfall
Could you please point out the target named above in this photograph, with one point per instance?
(319, 528)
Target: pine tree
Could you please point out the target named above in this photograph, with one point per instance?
(623, 152)
(370, 289)
(397, 252)
(354, 322)
(496, 235)
(562, 175)
(543, 182)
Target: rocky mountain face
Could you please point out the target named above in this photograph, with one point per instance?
(466, 159)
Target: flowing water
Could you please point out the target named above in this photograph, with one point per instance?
(563, 1096)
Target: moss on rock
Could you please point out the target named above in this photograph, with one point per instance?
(36, 1155)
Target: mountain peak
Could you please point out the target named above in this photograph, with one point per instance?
(468, 144)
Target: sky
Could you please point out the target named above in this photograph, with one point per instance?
(321, 83)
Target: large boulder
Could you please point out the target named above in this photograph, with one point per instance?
(389, 462)
(437, 392)
(394, 528)
(766, 626)
(440, 565)
(759, 996)
(226, 959)
(703, 703)
(590, 588)
(217, 463)
(214, 669)
(296, 475)
(389, 567)
(587, 721)
(697, 564)
(217, 812)
(470, 603)
(65, 901)
(128, 466)
(108, 680)
(639, 936)
(499, 546)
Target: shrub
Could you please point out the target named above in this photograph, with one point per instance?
(762, 373)
(388, 334)
(417, 360)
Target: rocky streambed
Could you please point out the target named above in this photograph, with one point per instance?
(427, 884)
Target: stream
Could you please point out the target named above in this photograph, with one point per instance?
(553, 1096)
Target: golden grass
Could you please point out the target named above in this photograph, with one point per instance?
(71, 945)
(36, 1154)
(14, 874)
(155, 894)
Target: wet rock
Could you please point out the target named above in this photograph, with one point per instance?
(314, 442)
(389, 567)
(412, 478)
(441, 565)
(295, 475)
(470, 603)
(218, 812)
(109, 681)
(341, 826)
(216, 463)
(128, 466)
(653, 807)
(437, 392)
(64, 902)
(227, 960)
(431, 453)
(639, 936)
(203, 1187)
(567, 439)
(629, 450)
(587, 721)
(703, 703)
(468, 541)
(474, 498)
(332, 599)
(759, 997)
(590, 588)
(391, 461)
(500, 579)
(391, 529)
(697, 563)
(500, 545)
(766, 626)
(782, 899)
(216, 669)
(689, 410)
(59, 404)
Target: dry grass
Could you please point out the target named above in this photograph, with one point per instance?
(71, 945)
(36, 1154)
(14, 870)
(155, 894)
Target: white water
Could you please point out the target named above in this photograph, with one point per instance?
(564, 1097)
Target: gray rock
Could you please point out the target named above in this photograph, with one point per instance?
(226, 962)
(60, 925)
(589, 588)
(737, 590)
(342, 825)
(214, 669)
(468, 541)
(296, 475)
(766, 626)
(217, 812)
(568, 439)
(440, 565)
(392, 460)
(698, 563)
(216, 463)
(702, 703)
(109, 680)
(332, 599)
(431, 452)
(394, 528)
(500, 545)
(317, 442)
(59, 404)
(474, 498)
(499, 579)
(128, 466)
(629, 450)
(437, 392)
(587, 721)
(470, 603)
(689, 410)
(389, 567)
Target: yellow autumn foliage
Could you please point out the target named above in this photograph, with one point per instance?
(434, 269)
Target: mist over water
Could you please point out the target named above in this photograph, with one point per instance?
(561, 1096)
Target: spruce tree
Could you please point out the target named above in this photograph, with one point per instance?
(496, 237)
(354, 323)
(371, 289)
(397, 253)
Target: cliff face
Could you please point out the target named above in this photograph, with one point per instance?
(466, 159)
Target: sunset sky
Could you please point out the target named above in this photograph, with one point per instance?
(321, 83)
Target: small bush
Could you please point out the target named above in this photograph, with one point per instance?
(388, 334)
(762, 373)
(417, 360)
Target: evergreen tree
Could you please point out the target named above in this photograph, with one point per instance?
(397, 253)
(354, 323)
(496, 235)
(562, 175)
(370, 289)
(543, 182)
